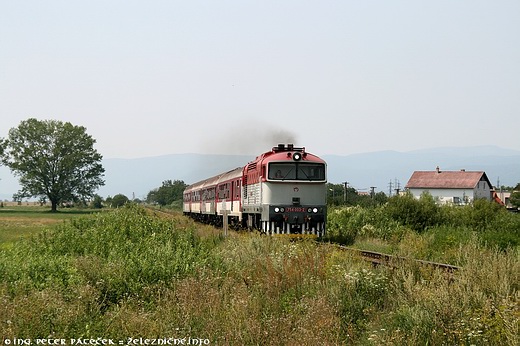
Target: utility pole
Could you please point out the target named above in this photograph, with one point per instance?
(372, 191)
(345, 192)
(390, 188)
(397, 187)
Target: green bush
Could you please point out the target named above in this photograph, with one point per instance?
(119, 200)
(418, 214)
(339, 228)
(483, 214)
(445, 226)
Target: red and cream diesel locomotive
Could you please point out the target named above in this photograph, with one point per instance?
(282, 191)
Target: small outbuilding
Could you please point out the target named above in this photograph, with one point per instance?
(454, 187)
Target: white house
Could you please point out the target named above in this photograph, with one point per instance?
(456, 187)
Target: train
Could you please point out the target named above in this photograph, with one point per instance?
(281, 192)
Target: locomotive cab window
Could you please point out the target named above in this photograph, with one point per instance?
(296, 171)
(310, 171)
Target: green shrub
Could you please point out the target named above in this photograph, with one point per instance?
(343, 226)
(482, 214)
(454, 224)
(418, 214)
(119, 200)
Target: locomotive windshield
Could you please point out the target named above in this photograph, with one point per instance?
(296, 171)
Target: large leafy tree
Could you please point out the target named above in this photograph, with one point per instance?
(53, 159)
(169, 192)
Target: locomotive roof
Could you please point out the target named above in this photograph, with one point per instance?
(286, 153)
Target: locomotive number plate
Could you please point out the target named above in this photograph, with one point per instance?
(295, 209)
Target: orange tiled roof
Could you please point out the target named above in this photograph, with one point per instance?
(446, 179)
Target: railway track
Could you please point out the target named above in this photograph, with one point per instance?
(378, 258)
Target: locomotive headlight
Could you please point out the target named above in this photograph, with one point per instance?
(276, 210)
(314, 210)
(282, 209)
(297, 156)
(309, 210)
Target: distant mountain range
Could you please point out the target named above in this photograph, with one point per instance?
(136, 177)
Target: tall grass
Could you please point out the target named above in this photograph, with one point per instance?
(130, 274)
(477, 306)
(106, 259)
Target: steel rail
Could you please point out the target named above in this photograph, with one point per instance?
(378, 258)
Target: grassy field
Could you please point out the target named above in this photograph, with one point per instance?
(132, 273)
(22, 221)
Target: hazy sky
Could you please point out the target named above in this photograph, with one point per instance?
(149, 78)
